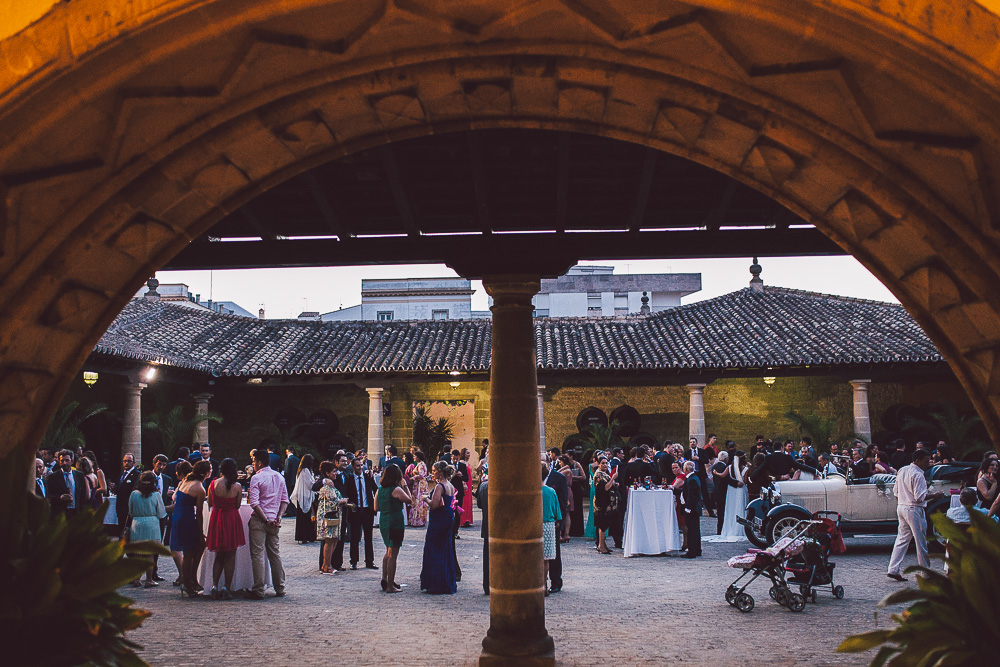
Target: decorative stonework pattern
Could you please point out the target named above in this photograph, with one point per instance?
(134, 131)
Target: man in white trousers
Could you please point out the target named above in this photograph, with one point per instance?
(911, 494)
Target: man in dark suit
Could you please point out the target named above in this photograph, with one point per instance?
(40, 472)
(124, 488)
(558, 482)
(163, 484)
(483, 502)
(361, 494)
(182, 455)
(663, 461)
(291, 472)
(393, 458)
(274, 461)
(206, 455)
(637, 469)
(66, 487)
(692, 510)
(778, 466)
(703, 458)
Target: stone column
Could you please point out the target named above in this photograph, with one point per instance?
(201, 428)
(696, 413)
(132, 426)
(541, 417)
(517, 633)
(376, 432)
(862, 417)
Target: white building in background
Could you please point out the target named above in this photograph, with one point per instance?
(594, 291)
(180, 294)
(410, 299)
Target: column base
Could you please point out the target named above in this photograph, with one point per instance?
(487, 659)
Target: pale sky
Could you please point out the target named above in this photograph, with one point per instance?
(284, 293)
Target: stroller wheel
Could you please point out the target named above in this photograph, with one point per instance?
(804, 590)
(781, 595)
(773, 592)
(838, 592)
(796, 602)
(744, 602)
(731, 594)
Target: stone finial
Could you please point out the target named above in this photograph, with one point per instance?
(644, 309)
(756, 284)
(152, 294)
(260, 314)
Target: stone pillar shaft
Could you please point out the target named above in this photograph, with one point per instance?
(696, 412)
(376, 431)
(862, 416)
(517, 633)
(541, 417)
(132, 426)
(201, 428)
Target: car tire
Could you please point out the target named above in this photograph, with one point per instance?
(758, 539)
(781, 522)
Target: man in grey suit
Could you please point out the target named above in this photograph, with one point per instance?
(65, 486)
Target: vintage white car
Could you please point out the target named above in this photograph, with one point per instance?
(866, 506)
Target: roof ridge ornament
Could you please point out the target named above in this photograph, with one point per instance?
(756, 284)
(644, 309)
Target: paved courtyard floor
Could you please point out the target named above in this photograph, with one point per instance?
(612, 610)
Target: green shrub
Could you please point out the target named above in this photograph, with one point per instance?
(954, 618)
(59, 581)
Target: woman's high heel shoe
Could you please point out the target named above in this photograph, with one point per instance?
(215, 593)
(226, 595)
(190, 592)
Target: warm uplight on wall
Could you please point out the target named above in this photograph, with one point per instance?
(455, 385)
(90, 378)
(149, 374)
(769, 381)
(455, 373)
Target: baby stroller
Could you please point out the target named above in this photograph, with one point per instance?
(770, 564)
(811, 568)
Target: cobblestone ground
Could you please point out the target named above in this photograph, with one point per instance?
(649, 610)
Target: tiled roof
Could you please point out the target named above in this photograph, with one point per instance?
(745, 329)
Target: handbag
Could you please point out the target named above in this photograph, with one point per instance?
(127, 530)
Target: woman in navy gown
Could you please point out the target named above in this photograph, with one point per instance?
(187, 533)
(438, 572)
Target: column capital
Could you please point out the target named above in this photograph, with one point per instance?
(372, 391)
(512, 289)
(696, 387)
(135, 388)
(858, 384)
(204, 396)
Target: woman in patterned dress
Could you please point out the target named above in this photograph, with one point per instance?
(329, 514)
(417, 515)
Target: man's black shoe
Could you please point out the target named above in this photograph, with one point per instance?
(896, 577)
(555, 589)
(371, 566)
(354, 566)
(690, 555)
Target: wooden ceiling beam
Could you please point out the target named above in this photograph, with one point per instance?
(330, 218)
(389, 165)
(646, 173)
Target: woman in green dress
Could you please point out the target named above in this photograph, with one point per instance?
(590, 531)
(145, 506)
(389, 504)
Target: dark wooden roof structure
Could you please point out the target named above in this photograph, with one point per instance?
(502, 201)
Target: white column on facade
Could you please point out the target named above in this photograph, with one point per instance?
(132, 426)
(862, 417)
(696, 412)
(541, 417)
(376, 433)
(200, 410)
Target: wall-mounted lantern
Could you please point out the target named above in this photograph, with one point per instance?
(89, 378)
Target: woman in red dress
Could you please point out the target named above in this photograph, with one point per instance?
(225, 526)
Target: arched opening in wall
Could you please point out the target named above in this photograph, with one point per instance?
(132, 135)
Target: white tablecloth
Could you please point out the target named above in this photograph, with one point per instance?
(243, 575)
(956, 500)
(651, 523)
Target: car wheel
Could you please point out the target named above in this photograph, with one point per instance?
(756, 536)
(781, 523)
(744, 602)
(838, 592)
(796, 602)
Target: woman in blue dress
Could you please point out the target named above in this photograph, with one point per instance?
(187, 532)
(438, 572)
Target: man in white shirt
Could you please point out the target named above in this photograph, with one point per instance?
(911, 494)
(268, 498)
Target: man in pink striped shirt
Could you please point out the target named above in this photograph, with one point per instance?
(268, 498)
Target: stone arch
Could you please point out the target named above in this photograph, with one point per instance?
(131, 132)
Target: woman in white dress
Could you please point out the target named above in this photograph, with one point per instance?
(736, 500)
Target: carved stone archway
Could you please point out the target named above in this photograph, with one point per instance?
(130, 128)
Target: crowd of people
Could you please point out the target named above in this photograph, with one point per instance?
(335, 502)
